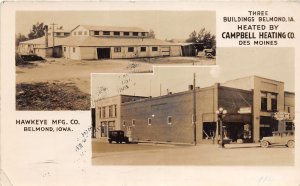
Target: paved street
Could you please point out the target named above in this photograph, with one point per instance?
(204, 154)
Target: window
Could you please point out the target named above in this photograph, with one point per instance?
(74, 49)
(65, 49)
(124, 123)
(103, 112)
(133, 122)
(117, 49)
(126, 33)
(263, 103)
(135, 33)
(100, 112)
(115, 110)
(149, 121)
(143, 49)
(96, 33)
(79, 32)
(169, 120)
(143, 33)
(74, 33)
(85, 32)
(110, 111)
(106, 33)
(274, 102)
(154, 49)
(116, 33)
(130, 49)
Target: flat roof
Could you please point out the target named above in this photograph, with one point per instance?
(111, 28)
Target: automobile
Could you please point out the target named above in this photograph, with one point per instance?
(286, 138)
(210, 53)
(118, 136)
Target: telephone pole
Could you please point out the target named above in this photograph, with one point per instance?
(194, 109)
(53, 38)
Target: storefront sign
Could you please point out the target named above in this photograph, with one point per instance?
(282, 116)
(244, 110)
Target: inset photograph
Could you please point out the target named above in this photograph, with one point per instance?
(239, 113)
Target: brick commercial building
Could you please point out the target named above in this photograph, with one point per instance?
(250, 102)
(89, 42)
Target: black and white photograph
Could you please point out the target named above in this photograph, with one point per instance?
(57, 50)
(206, 116)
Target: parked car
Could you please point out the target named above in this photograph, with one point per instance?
(286, 138)
(210, 53)
(118, 136)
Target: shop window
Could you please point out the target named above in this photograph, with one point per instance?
(135, 33)
(133, 122)
(106, 33)
(149, 121)
(117, 49)
(126, 33)
(274, 102)
(264, 102)
(209, 130)
(96, 33)
(130, 49)
(169, 120)
(154, 49)
(143, 49)
(116, 33)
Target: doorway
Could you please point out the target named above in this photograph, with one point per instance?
(103, 53)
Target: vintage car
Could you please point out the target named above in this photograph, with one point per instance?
(118, 136)
(286, 138)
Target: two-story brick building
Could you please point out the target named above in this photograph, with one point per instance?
(101, 42)
(250, 103)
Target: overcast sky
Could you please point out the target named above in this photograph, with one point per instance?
(166, 24)
(273, 63)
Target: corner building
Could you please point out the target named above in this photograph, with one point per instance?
(250, 102)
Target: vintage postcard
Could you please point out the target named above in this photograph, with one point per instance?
(136, 93)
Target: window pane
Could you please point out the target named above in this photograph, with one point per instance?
(143, 49)
(106, 33)
(154, 49)
(130, 49)
(126, 33)
(135, 33)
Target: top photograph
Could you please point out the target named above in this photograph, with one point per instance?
(59, 49)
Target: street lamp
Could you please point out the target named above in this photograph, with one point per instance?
(221, 114)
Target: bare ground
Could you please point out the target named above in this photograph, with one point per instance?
(36, 80)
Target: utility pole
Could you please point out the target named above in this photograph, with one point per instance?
(194, 109)
(53, 38)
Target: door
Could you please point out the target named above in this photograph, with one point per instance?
(103, 53)
(165, 51)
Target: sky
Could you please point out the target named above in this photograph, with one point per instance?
(166, 24)
(273, 63)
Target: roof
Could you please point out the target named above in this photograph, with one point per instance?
(112, 28)
(109, 41)
(99, 41)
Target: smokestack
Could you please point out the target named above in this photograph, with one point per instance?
(46, 36)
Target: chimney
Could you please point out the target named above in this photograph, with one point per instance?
(46, 36)
(191, 87)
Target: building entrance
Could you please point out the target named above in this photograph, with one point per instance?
(103, 53)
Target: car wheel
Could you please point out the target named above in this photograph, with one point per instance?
(291, 144)
(109, 141)
(264, 144)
